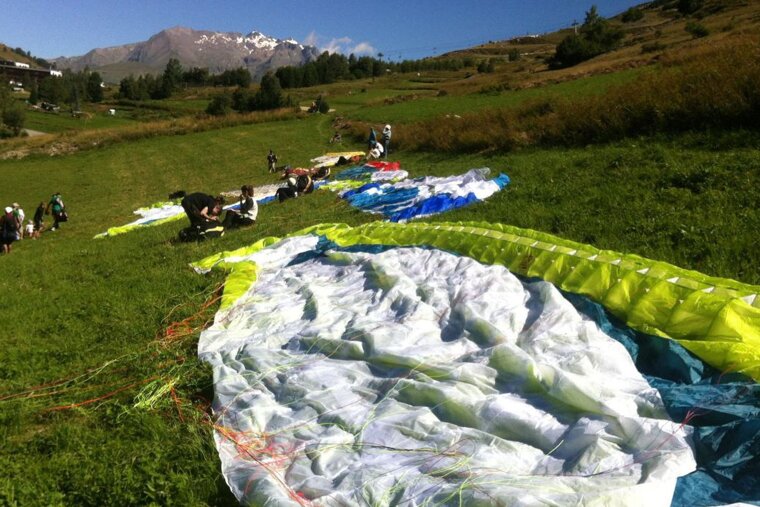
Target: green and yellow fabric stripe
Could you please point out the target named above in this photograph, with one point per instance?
(341, 185)
(114, 231)
(715, 318)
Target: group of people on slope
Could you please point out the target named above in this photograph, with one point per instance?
(379, 149)
(298, 180)
(204, 212)
(12, 226)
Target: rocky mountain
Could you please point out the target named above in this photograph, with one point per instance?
(217, 51)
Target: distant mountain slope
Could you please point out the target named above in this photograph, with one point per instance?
(217, 51)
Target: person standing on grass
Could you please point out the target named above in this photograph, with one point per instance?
(59, 210)
(386, 140)
(20, 215)
(272, 161)
(372, 139)
(9, 227)
(39, 226)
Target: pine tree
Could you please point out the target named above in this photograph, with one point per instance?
(94, 88)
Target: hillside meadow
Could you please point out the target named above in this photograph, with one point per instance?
(86, 319)
(102, 399)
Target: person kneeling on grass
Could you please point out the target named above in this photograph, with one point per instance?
(247, 213)
(375, 152)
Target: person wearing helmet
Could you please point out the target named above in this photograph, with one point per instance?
(386, 140)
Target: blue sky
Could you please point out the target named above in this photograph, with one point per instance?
(400, 29)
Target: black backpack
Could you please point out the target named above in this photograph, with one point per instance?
(304, 184)
(10, 227)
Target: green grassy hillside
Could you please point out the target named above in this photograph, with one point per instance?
(84, 318)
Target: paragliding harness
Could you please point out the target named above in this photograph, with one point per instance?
(201, 232)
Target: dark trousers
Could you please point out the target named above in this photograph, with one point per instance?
(285, 193)
(234, 220)
(196, 220)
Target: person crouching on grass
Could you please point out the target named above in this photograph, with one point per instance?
(202, 209)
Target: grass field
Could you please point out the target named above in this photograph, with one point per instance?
(101, 405)
(428, 105)
(52, 123)
(88, 312)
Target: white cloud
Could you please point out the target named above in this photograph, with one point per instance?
(343, 45)
(363, 48)
(337, 45)
(311, 39)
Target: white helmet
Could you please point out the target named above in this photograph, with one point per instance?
(387, 127)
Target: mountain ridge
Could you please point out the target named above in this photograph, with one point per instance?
(214, 50)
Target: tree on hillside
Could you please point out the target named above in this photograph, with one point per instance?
(310, 76)
(12, 114)
(34, 94)
(196, 76)
(290, 77)
(169, 82)
(631, 15)
(52, 90)
(689, 6)
(234, 77)
(322, 105)
(269, 95)
(128, 88)
(220, 105)
(94, 88)
(242, 100)
(596, 36)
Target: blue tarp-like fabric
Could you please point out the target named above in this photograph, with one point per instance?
(419, 197)
(356, 173)
(723, 409)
